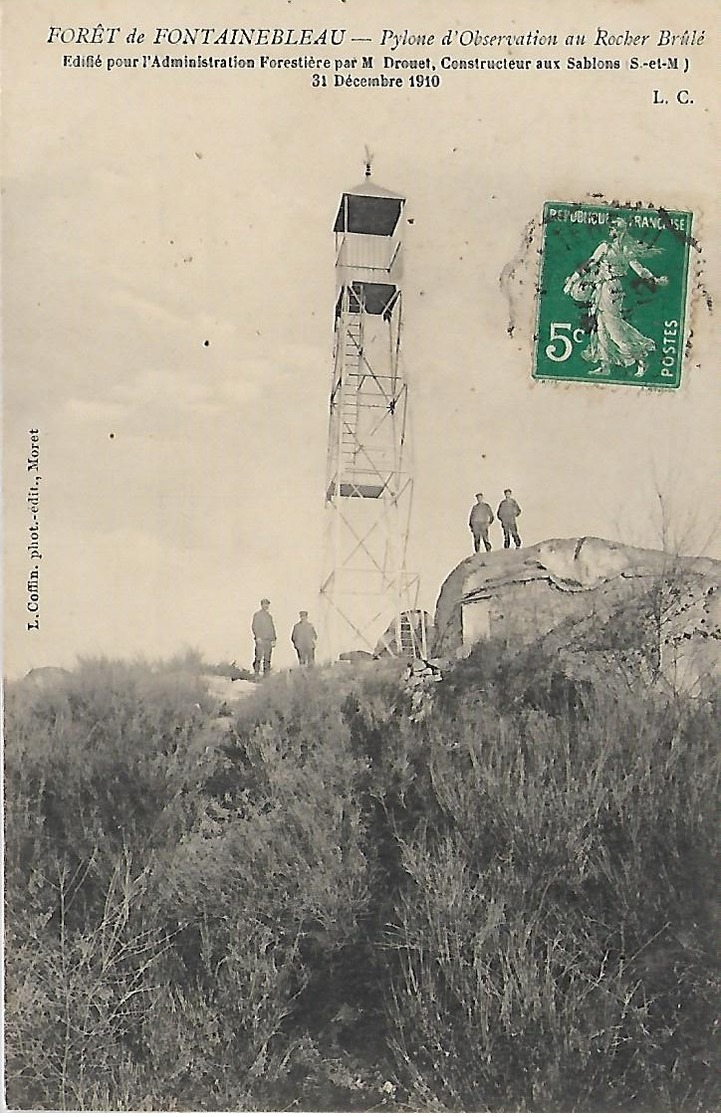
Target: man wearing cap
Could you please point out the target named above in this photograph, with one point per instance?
(508, 510)
(264, 636)
(479, 522)
(303, 638)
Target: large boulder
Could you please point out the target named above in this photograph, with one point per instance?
(589, 595)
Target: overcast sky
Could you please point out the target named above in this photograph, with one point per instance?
(168, 295)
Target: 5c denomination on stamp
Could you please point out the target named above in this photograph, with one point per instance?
(612, 294)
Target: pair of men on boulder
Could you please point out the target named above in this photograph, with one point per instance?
(482, 517)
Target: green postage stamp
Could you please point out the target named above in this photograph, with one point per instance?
(612, 294)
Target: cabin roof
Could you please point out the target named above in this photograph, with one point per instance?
(368, 208)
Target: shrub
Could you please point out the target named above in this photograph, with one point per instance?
(324, 902)
(551, 947)
(77, 996)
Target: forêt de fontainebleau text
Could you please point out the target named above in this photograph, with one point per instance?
(411, 58)
(102, 34)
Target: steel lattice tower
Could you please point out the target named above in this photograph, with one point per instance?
(365, 587)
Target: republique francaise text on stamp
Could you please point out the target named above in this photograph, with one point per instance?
(612, 294)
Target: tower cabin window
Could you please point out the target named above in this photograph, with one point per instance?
(371, 215)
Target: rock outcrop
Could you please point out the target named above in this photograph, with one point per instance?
(227, 691)
(589, 595)
(43, 678)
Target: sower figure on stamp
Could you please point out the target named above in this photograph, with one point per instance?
(265, 637)
(597, 284)
(303, 638)
(479, 522)
(508, 510)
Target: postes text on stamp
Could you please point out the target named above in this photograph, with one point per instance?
(612, 294)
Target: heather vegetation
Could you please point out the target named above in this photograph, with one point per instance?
(339, 898)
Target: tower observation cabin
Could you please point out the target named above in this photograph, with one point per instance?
(368, 475)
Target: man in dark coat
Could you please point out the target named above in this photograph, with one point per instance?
(508, 510)
(265, 637)
(480, 520)
(303, 638)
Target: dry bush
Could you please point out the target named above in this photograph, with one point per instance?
(554, 942)
(324, 903)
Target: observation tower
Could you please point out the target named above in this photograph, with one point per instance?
(368, 490)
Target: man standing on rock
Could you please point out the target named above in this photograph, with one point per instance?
(508, 510)
(479, 522)
(303, 638)
(265, 637)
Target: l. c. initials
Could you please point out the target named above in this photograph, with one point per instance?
(683, 97)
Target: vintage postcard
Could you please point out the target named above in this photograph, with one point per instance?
(360, 417)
